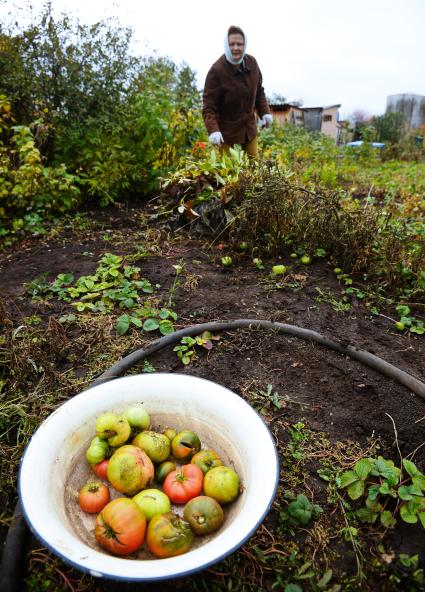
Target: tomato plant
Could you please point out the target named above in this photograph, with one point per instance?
(93, 497)
(120, 527)
(204, 514)
(183, 484)
(101, 469)
(168, 535)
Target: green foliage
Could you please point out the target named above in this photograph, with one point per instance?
(300, 511)
(390, 127)
(207, 174)
(113, 285)
(118, 121)
(389, 492)
(29, 190)
(186, 351)
(409, 322)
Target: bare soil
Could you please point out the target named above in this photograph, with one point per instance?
(328, 392)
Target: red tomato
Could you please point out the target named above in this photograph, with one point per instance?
(183, 484)
(93, 497)
(101, 469)
(168, 535)
(120, 527)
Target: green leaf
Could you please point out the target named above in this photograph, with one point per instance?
(421, 516)
(292, 588)
(363, 468)
(410, 468)
(166, 327)
(404, 493)
(356, 490)
(373, 492)
(123, 323)
(367, 515)
(136, 322)
(347, 478)
(419, 481)
(325, 579)
(150, 325)
(387, 519)
(407, 515)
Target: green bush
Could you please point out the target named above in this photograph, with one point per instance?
(29, 190)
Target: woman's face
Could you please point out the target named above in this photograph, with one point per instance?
(236, 44)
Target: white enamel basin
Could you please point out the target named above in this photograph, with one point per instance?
(53, 469)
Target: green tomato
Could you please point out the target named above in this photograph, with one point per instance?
(306, 259)
(152, 502)
(337, 270)
(226, 261)
(243, 246)
(293, 255)
(97, 451)
(204, 514)
(157, 446)
(400, 326)
(130, 469)
(137, 417)
(222, 483)
(170, 433)
(279, 269)
(206, 460)
(168, 535)
(113, 427)
(163, 470)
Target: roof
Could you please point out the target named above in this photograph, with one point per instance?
(286, 106)
(323, 107)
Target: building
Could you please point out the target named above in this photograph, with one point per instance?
(413, 107)
(315, 119)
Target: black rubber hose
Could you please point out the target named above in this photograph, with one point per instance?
(14, 547)
(365, 357)
(14, 551)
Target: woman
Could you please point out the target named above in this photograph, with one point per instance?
(234, 96)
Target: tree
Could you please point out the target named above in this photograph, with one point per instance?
(390, 127)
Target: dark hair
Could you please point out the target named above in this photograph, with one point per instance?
(235, 31)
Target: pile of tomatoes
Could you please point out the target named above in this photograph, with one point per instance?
(153, 470)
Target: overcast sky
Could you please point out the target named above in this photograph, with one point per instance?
(352, 52)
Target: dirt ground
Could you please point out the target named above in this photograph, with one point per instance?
(327, 391)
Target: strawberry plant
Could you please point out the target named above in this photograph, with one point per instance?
(389, 492)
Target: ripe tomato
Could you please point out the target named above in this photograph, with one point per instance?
(185, 444)
(168, 535)
(101, 469)
(93, 497)
(183, 484)
(120, 527)
(204, 514)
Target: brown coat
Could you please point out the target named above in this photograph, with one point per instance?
(232, 95)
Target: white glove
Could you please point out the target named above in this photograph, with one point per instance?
(216, 138)
(267, 120)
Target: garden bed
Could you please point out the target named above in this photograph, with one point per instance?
(325, 410)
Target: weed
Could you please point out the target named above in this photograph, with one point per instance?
(300, 511)
(186, 352)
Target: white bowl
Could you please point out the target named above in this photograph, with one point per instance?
(53, 469)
